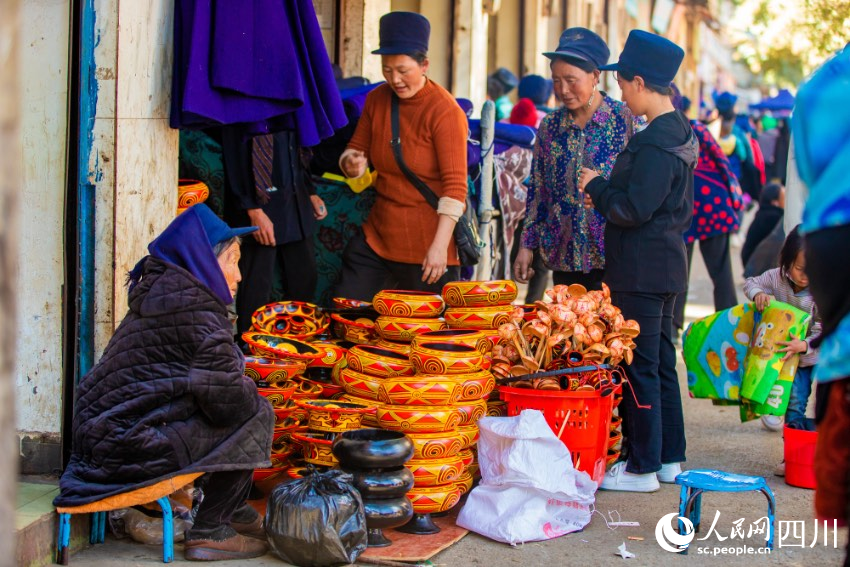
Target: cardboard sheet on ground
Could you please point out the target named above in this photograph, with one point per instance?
(733, 356)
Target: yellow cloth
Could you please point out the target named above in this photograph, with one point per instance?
(134, 497)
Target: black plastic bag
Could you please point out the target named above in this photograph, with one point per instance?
(317, 521)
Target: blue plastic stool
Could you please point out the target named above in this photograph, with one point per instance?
(158, 492)
(695, 482)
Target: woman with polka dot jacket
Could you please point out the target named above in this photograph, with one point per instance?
(717, 205)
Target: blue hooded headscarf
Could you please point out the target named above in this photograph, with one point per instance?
(188, 243)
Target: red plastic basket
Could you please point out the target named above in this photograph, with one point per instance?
(588, 425)
(800, 457)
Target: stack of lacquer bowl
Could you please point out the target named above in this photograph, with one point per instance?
(405, 314)
(479, 305)
(367, 366)
(326, 419)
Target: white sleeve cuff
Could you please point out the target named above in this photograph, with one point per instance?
(452, 208)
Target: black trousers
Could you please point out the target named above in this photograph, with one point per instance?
(537, 283)
(364, 273)
(590, 280)
(298, 262)
(656, 435)
(718, 262)
(225, 493)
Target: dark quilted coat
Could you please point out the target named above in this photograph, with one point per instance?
(168, 397)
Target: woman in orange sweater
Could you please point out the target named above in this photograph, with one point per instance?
(406, 243)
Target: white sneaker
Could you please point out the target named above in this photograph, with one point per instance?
(618, 479)
(772, 422)
(669, 472)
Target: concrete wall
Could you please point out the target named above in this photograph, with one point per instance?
(43, 40)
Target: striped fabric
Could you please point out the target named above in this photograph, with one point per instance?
(773, 283)
(262, 155)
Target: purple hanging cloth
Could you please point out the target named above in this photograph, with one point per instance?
(261, 63)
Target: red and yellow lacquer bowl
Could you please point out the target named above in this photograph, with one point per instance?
(268, 371)
(403, 303)
(478, 317)
(334, 416)
(290, 410)
(432, 472)
(278, 396)
(435, 445)
(475, 386)
(616, 422)
(332, 354)
(418, 419)
(612, 457)
(404, 329)
(431, 499)
(464, 483)
(614, 439)
(347, 303)
(295, 319)
(419, 390)
(265, 345)
(479, 293)
(471, 412)
(445, 358)
(278, 465)
(369, 419)
(307, 389)
(282, 438)
(469, 337)
(497, 408)
(468, 435)
(360, 385)
(191, 192)
(398, 346)
(359, 331)
(380, 362)
(317, 449)
(467, 457)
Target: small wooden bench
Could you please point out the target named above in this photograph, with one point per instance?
(156, 492)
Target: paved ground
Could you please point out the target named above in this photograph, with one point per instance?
(716, 440)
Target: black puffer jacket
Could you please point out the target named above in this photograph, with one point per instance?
(648, 204)
(167, 397)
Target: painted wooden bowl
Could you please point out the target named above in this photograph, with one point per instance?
(422, 419)
(478, 317)
(467, 457)
(469, 337)
(419, 390)
(612, 457)
(435, 445)
(290, 409)
(282, 445)
(369, 419)
(380, 362)
(431, 499)
(479, 293)
(464, 483)
(360, 330)
(432, 472)
(334, 416)
(268, 371)
(191, 192)
(445, 358)
(497, 408)
(346, 303)
(616, 422)
(471, 412)
(317, 449)
(403, 303)
(403, 329)
(614, 439)
(284, 426)
(263, 344)
(307, 389)
(296, 319)
(278, 465)
(398, 346)
(372, 449)
(359, 384)
(332, 353)
(278, 396)
(468, 435)
(475, 386)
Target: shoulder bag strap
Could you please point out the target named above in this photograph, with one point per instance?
(395, 143)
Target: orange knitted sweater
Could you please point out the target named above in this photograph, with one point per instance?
(433, 131)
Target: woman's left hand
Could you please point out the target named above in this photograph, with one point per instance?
(319, 209)
(792, 347)
(587, 175)
(435, 263)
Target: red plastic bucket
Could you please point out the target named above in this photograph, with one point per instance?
(800, 457)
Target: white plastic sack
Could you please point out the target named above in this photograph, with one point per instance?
(529, 489)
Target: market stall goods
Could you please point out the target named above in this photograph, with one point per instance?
(334, 416)
(268, 371)
(490, 317)
(358, 330)
(404, 329)
(408, 304)
(273, 346)
(479, 293)
(377, 361)
(445, 358)
(190, 192)
(359, 384)
(420, 390)
(469, 337)
(296, 319)
(425, 419)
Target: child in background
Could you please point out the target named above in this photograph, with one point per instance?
(788, 283)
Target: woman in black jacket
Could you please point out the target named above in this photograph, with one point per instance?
(169, 397)
(648, 203)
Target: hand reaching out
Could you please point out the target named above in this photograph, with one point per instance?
(354, 164)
